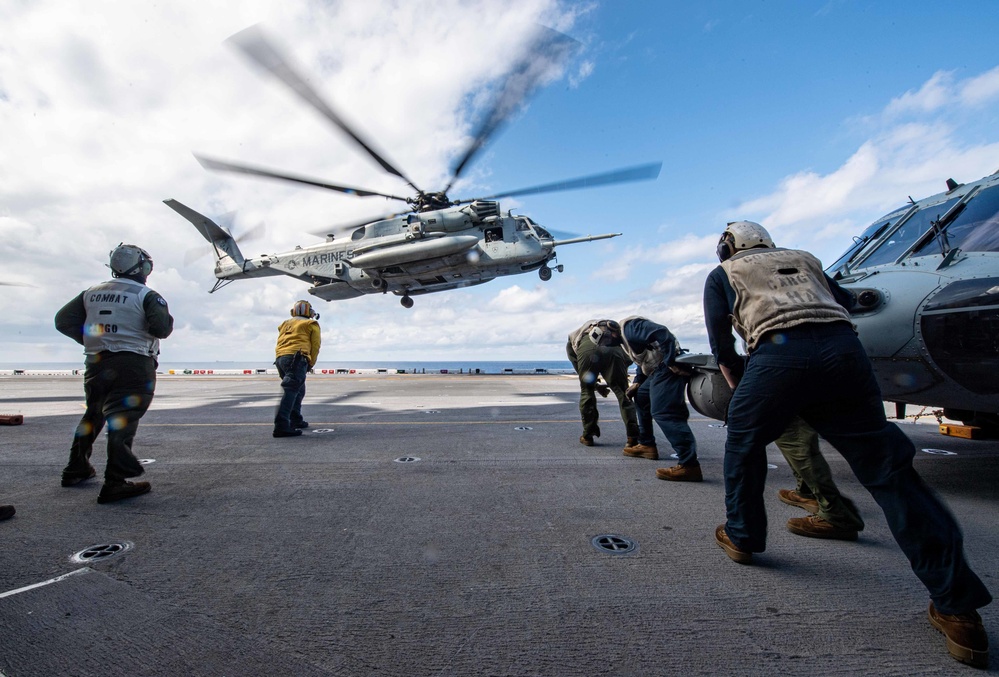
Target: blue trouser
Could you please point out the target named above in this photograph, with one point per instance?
(660, 397)
(821, 372)
(293, 369)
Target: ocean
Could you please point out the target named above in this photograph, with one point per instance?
(390, 366)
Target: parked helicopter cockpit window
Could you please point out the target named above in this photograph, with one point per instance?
(892, 247)
(841, 266)
(975, 229)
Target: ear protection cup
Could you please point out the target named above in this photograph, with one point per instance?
(726, 247)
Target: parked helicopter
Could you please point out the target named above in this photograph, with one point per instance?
(436, 245)
(925, 278)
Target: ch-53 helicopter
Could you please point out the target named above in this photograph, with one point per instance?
(925, 279)
(436, 245)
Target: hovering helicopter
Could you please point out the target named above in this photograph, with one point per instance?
(925, 278)
(438, 243)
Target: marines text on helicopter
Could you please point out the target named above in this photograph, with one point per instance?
(925, 278)
(436, 245)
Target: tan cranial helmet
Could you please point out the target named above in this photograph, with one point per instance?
(740, 235)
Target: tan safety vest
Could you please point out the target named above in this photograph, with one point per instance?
(777, 289)
(576, 337)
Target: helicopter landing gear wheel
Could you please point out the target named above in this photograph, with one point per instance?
(406, 302)
(545, 273)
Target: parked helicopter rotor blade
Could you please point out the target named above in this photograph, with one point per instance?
(256, 47)
(222, 165)
(547, 51)
(637, 173)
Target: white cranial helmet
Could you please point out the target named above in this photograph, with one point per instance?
(740, 235)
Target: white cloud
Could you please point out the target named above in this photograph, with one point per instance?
(820, 212)
(982, 89)
(916, 145)
(936, 92)
(101, 108)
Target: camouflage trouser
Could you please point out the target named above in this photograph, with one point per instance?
(799, 445)
(590, 362)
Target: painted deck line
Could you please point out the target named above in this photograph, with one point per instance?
(11, 593)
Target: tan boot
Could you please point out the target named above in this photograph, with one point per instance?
(792, 497)
(650, 452)
(816, 527)
(967, 640)
(586, 440)
(730, 548)
(681, 473)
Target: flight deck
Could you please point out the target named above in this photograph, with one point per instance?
(441, 524)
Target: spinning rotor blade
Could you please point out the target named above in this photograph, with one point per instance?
(547, 51)
(257, 48)
(224, 166)
(638, 173)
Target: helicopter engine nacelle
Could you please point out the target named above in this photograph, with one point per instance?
(443, 221)
(481, 210)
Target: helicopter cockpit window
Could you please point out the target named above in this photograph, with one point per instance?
(975, 229)
(523, 225)
(892, 247)
(494, 234)
(871, 233)
(542, 232)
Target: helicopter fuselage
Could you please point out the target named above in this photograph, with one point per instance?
(413, 254)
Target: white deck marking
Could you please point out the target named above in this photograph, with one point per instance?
(11, 593)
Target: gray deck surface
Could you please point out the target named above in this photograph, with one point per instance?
(324, 555)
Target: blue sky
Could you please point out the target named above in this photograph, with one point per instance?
(813, 118)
